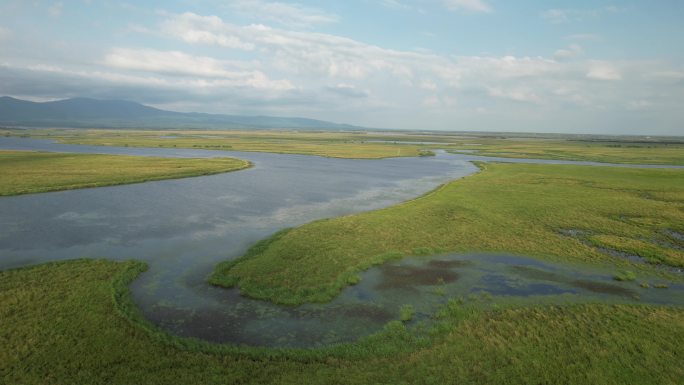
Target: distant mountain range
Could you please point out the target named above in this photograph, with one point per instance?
(87, 113)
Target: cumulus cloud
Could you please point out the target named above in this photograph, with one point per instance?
(212, 31)
(289, 15)
(311, 60)
(467, 5)
(174, 63)
(292, 51)
(261, 69)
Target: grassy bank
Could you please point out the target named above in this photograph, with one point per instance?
(603, 151)
(25, 172)
(380, 145)
(562, 212)
(72, 322)
(334, 145)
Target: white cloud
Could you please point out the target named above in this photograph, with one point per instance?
(206, 76)
(331, 77)
(467, 5)
(179, 63)
(193, 28)
(171, 62)
(297, 52)
(290, 15)
(603, 71)
(570, 52)
(310, 58)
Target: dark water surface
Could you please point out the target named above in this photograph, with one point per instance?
(183, 227)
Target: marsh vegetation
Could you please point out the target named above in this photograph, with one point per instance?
(26, 172)
(522, 209)
(370, 145)
(76, 321)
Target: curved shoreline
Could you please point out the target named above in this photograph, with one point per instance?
(287, 267)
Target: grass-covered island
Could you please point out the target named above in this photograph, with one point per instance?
(571, 213)
(25, 172)
(372, 145)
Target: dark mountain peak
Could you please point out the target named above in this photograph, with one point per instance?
(88, 112)
(78, 108)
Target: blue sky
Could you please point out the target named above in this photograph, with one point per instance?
(547, 66)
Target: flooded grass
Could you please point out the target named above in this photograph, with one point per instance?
(447, 264)
(403, 277)
(73, 322)
(604, 288)
(366, 312)
(537, 274)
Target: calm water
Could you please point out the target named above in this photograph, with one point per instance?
(182, 228)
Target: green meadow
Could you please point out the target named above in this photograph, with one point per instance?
(26, 172)
(613, 151)
(560, 212)
(379, 145)
(335, 145)
(73, 322)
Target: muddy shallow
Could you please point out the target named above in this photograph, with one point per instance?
(183, 227)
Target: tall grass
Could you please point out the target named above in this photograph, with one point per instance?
(26, 172)
(73, 322)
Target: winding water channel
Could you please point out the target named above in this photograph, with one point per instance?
(183, 227)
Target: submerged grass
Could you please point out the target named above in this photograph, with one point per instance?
(74, 322)
(511, 208)
(625, 275)
(25, 172)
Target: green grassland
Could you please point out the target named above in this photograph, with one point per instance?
(321, 144)
(73, 322)
(25, 172)
(603, 151)
(366, 145)
(553, 211)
